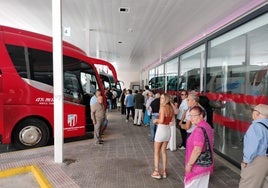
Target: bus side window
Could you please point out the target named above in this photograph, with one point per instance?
(259, 83)
(71, 88)
(258, 77)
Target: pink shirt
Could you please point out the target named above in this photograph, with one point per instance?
(197, 139)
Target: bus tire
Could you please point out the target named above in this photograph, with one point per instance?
(31, 133)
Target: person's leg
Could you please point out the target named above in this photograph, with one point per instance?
(114, 103)
(128, 111)
(200, 182)
(97, 129)
(124, 111)
(255, 173)
(183, 137)
(172, 141)
(101, 128)
(104, 126)
(122, 108)
(136, 116)
(139, 116)
(110, 103)
(164, 157)
(203, 181)
(145, 118)
(133, 112)
(157, 146)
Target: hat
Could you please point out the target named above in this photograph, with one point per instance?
(262, 108)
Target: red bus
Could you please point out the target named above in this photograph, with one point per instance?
(26, 88)
(109, 82)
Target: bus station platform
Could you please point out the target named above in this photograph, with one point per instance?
(125, 160)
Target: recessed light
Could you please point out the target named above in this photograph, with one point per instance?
(124, 9)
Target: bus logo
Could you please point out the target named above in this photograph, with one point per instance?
(45, 101)
(72, 120)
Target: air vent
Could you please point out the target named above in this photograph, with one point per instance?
(124, 10)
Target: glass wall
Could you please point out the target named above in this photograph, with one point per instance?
(233, 76)
(236, 80)
(191, 69)
(171, 72)
(157, 79)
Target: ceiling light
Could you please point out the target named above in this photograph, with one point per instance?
(124, 10)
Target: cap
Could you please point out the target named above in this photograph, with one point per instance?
(262, 108)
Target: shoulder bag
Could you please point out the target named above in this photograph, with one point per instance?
(205, 158)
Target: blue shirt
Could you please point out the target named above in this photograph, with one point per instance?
(93, 100)
(129, 100)
(255, 140)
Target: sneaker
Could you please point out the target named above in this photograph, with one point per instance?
(181, 148)
(98, 143)
(126, 120)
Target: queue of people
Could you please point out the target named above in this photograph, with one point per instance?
(199, 139)
(197, 135)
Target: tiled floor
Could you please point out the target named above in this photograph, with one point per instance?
(125, 160)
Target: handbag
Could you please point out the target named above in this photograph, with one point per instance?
(205, 158)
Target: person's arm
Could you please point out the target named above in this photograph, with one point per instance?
(175, 108)
(161, 116)
(187, 125)
(150, 109)
(93, 112)
(125, 101)
(183, 115)
(251, 144)
(194, 155)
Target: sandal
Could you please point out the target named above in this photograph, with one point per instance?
(156, 175)
(164, 174)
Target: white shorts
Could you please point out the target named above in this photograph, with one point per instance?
(163, 133)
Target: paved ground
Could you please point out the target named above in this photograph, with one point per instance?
(125, 160)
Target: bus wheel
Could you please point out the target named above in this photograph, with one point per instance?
(31, 133)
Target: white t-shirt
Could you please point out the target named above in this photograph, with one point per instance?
(145, 93)
(182, 108)
(114, 94)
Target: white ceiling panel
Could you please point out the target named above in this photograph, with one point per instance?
(147, 32)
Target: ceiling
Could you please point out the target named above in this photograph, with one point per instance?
(132, 40)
